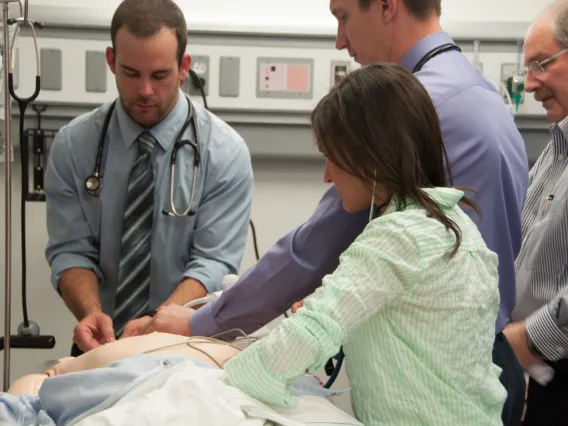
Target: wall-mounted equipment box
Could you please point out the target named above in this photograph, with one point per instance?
(229, 76)
(96, 72)
(51, 66)
(285, 78)
(339, 69)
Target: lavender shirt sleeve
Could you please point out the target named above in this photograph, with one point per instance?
(291, 270)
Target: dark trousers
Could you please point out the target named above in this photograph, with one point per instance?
(548, 405)
(513, 379)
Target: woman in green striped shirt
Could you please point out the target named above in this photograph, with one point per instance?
(414, 299)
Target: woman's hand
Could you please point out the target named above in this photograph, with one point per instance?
(297, 306)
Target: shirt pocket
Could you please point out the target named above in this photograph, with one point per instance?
(557, 208)
(547, 246)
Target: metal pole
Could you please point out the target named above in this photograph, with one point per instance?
(6, 63)
(8, 194)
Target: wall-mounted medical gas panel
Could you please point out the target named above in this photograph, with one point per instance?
(258, 75)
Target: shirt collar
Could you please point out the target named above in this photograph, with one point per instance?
(446, 198)
(164, 132)
(559, 133)
(561, 127)
(421, 49)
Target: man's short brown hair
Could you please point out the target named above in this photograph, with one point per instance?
(145, 18)
(420, 9)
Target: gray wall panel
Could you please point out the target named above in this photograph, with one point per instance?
(286, 141)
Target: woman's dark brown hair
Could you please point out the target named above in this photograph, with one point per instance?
(380, 119)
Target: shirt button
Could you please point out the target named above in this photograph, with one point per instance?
(560, 350)
(560, 157)
(166, 362)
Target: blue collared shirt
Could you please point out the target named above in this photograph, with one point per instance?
(85, 231)
(486, 153)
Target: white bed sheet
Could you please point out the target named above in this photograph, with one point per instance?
(188, 394)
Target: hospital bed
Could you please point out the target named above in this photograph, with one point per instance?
(160, 379)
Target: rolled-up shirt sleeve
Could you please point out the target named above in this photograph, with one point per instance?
(547, 328)
(374, 272)
(70, 240)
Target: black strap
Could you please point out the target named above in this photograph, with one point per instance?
(435, 52)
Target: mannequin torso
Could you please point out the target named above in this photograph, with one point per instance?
(214, 353)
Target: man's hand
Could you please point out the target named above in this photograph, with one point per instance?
(516, 334)
(173, 319)
(188, 290)
(297, 306)
(93, 331)
(137, 327)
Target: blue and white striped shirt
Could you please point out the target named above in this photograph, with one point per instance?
(542, 267)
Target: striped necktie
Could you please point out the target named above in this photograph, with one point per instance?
(133, 292)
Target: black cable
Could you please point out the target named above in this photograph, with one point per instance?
(25, 187)
(24, 150)
(199, 83)
(254, 242)
(340, 357)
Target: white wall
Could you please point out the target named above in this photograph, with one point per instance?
(313, 14)
(492, 10)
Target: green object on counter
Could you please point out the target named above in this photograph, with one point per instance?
(516, 88)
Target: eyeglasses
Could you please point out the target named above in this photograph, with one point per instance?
(537, 67)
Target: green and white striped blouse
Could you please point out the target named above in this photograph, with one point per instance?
(417, 326)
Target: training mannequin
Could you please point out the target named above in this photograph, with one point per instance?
(123, 348)
(216, 354)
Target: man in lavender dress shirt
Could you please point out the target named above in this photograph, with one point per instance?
(486, 153)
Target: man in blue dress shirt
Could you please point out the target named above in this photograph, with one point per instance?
(486, 152)
(115, 256)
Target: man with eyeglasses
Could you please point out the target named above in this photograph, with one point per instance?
(539, 331)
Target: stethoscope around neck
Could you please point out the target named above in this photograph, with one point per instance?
(93, 183)
(433, 53)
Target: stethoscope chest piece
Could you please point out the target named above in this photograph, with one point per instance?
(93, 185)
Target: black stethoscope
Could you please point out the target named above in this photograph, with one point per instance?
(93, 183)
(435, 52)
(330, 369)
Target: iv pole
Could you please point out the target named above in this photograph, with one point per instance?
(8, 183)
(28, 336)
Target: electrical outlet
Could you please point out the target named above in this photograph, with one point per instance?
(200, 65)
(508, 82)
(339, 69)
